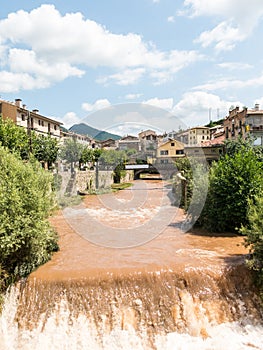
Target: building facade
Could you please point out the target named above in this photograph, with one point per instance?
(234, 124)
(254, 124)
(243, 123)
(169, 151)
(30, 120)
(198, 135)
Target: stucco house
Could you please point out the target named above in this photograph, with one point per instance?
(30, 120)
(169, 151)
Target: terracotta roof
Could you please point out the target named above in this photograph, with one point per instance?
(216, 141)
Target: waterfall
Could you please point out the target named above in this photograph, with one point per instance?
(194, 308)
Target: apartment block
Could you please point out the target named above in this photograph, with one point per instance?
(30, 120)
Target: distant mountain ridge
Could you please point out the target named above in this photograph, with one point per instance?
(96, 134)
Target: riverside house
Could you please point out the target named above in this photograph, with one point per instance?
(30, 120)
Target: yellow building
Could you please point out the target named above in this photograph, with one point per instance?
(169, 151)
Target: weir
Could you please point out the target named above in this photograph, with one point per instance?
(176, 291)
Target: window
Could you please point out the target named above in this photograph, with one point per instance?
(203, 137)
(179, 151)
(39, 122)
(172, 144)
(55, 127)
(43, 123)
(23, 117)
(164, 153)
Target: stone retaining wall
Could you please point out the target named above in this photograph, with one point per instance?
(86, 180)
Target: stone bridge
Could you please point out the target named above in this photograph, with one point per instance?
(166, 171)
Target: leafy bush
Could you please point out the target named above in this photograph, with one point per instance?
(26, 199)
(14, 138)
(254, 236)
(233, 181)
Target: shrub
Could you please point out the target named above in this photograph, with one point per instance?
(254, 236)
(26, 199)
(233, 181)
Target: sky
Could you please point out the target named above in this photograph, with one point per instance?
(107, 62)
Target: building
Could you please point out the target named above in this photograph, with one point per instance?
(30, 120)
(193, 136)
(109, 144)
(169, 151)
(243, 123)
(82, 139)
(210, 150)
(198, 135)
(254, 124)
(129, 142)
(234, 123)
(182, 136)
(149, 143)
(216, 131)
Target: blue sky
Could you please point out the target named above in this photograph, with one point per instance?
(193, 59)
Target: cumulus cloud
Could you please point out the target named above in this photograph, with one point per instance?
(170, 19)
(70, 119)
(238, 20)
(14, 82)
(164, 103)
(195, 107)
(53, 46)
(99, 104)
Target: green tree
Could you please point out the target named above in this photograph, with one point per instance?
(71, 152)
(26, 200)
(45, 149)
(232, 182)
(14, 138)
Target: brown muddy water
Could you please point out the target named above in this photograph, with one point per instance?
(127, 276)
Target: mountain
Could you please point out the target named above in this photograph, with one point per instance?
(97, 134)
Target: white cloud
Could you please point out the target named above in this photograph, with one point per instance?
(126, 77)
(164, 103)
(99, 104)
(132, 96)
(170, 19)
(195, 107)
(58, 45)
(238, 20)
(224, 36)
(231, 84)
(70, 119)
(14, 82)
(235, 66)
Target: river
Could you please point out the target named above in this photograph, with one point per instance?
(127, 276)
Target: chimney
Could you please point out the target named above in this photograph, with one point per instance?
(35, 110)
(18, 102)
(256, 106)
(24, 106)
